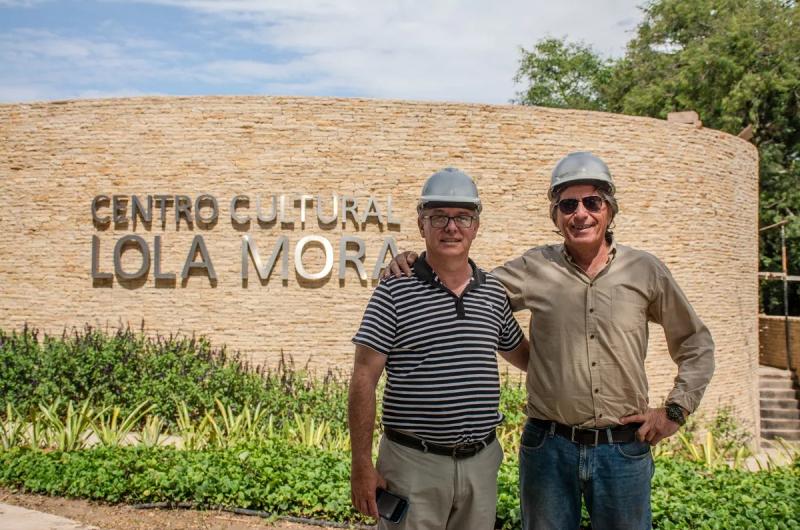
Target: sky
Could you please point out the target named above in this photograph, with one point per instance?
(432, 50)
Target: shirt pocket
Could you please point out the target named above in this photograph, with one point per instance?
(629, 309)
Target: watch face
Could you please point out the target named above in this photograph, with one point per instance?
(675, 414)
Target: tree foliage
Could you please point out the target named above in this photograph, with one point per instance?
(735, 62)
(565, 75)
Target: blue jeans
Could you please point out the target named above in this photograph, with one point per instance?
(555, 474)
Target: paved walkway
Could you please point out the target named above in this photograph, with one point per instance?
(16, 518)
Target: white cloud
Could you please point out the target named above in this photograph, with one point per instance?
(236, 71)
(412, 49)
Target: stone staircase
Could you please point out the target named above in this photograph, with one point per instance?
(780, 404)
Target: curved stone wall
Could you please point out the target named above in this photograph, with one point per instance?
(689, 196)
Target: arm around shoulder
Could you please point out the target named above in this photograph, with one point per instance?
(514, 275)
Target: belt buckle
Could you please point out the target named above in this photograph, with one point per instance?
(596, 435)
(468, 450)
(463, 451)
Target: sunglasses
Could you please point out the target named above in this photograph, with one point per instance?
(592, 203)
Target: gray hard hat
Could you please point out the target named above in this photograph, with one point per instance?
(447, 187)
(580, 166)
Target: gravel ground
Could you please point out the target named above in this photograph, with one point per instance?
(122, 517)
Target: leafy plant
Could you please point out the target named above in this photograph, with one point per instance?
(13, 429)
(509, 436)
(72, 432)
(710, 454)
(111, 431)
(308, 431)
(151, 434)
(192, 436)
(235, 429)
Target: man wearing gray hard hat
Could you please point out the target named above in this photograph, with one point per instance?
(436, 334)
(590, 426)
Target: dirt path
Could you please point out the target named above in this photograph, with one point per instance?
(121, 517)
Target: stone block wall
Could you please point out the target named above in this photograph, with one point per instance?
(772, 341)
(688, 196)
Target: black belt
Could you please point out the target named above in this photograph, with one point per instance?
(456, 451)
(619, 434)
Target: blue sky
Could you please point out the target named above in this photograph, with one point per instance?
(420, 50)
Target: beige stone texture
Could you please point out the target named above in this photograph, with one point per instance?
(687, 195)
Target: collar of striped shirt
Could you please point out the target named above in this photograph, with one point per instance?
(424, 272)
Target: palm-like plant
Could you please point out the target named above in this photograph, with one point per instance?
(112, 430)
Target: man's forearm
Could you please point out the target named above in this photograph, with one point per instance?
(364, 478)
(361, 417)
(695, 360)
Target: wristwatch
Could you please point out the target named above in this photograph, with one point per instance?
(675, 413)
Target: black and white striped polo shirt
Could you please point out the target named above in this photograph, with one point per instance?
(442, 379)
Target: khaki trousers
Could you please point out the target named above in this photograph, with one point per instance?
(443, 493)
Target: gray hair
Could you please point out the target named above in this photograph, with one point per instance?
(602, 191)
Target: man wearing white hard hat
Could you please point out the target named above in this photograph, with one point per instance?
(436, 334)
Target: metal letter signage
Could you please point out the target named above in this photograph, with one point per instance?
(274, 212)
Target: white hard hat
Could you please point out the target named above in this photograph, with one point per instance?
(580, 166)
(450, 186)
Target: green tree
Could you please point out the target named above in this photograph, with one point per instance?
(735, 62)
(564, 75)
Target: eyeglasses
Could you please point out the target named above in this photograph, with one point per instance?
(440, 221)
(592, 203)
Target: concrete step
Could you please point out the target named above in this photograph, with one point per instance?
(778, 394)
(777, 384)
(769, 371)
(784, 404)
(781, 413)
(780, 424)
(786, 435)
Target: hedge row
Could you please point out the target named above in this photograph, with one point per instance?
(289, 479)
(125, 368)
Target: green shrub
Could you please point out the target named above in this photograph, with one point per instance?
(292, 479)
(125, 368)
(513, 398)
(688, 495)
(273, 476)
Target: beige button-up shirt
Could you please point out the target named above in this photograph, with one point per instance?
(588, 336)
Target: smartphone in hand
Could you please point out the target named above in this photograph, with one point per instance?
(390, 506)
